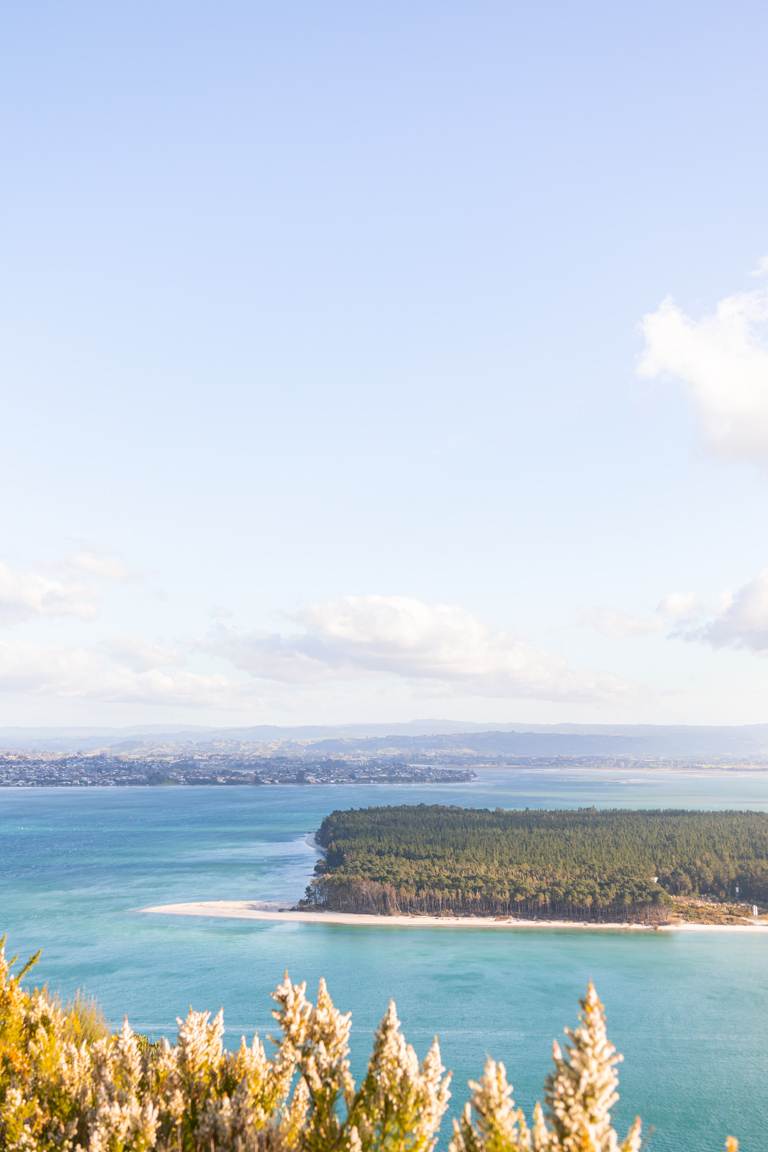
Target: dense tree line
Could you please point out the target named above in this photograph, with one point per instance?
(586, 864)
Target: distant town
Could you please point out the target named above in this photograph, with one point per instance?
(263, 756)
(263, 765)
(25, 770)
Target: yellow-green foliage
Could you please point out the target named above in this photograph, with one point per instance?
(67, 1084)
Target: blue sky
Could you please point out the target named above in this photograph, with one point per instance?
(337, 378)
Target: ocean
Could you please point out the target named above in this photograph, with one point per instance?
(689, 1011)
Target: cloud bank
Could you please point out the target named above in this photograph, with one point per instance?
(81, 673)
(410, 639)
(372, 643)
(124, 670)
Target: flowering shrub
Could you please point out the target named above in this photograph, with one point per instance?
(67, 1084)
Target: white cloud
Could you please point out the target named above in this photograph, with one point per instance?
(26, 594)
(722, 358)
(743, 620)
(740, 620)
(672, 612)
(82, 673)
(69, 589)
(405, 638)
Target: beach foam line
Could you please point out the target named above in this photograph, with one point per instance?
(274, 913)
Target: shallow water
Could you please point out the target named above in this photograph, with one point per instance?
(689, 1011)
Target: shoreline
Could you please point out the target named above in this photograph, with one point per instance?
(275, 913)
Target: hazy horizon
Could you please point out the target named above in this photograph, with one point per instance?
(680, 745)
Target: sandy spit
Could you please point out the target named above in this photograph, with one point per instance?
(253, 910)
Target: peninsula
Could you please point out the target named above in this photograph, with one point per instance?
(588, 865)
(439, 866)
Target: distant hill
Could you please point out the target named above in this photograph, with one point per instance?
(490, 744)
(417, 736)
(82, 739)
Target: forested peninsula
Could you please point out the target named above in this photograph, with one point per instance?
(641, 866)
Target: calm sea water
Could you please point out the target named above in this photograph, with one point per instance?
(689, 1011)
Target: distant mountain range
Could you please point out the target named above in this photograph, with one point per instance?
(417, 736)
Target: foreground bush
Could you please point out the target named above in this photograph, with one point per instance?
(68, 1084)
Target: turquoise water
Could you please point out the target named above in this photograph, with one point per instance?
(689, 1011)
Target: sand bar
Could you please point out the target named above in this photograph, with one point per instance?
(275, 913)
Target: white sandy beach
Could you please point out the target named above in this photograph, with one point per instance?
(253, 910)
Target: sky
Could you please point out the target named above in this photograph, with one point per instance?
(377, 362)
